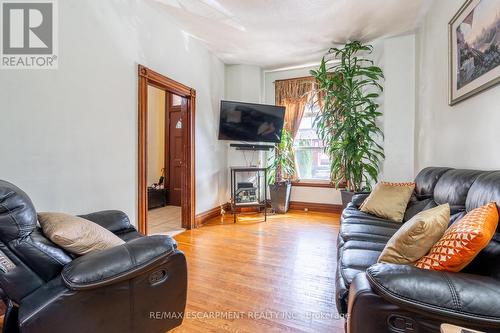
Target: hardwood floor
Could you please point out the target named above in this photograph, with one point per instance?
(165, 220)
(275, 276)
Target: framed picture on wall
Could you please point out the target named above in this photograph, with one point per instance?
(474, 49)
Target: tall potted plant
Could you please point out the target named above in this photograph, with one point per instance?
(347, 123)
(281, 168)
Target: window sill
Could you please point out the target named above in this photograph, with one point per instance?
(313, 183)
(317, 183)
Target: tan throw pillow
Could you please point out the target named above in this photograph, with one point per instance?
(75, 234)
(417, 236)
(388, 200)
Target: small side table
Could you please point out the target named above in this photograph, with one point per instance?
(157, 197)
(239, 199)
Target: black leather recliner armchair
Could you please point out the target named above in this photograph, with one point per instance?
(387, 298)
(139, 286)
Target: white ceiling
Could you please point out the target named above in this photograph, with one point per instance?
(277, 33)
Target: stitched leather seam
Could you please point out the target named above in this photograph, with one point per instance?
(131, 255)
(411, 302)
(454, 291)
(109, 279)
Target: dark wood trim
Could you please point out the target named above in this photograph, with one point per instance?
(147, 77)
(295, 78)
(316, 207)
(312, 184)
(166, 144)
(206, 216)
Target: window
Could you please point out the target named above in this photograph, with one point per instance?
(312, 162)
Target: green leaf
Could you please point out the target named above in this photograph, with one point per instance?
(347, 123)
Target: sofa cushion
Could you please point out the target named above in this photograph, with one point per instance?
(376, 233)
(417, 236)
(351, 215)
(388, 200)
(416, 206)
(355, 257)
(462, 241)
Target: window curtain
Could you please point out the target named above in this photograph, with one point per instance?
(293, 94)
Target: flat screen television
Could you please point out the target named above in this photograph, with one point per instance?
(250, 122)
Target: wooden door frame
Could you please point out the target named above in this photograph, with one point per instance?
(147, 76)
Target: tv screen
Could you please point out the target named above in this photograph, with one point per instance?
(250, 122)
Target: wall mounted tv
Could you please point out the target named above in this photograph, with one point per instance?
(250, 122)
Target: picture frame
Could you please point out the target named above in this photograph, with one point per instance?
(474, 49)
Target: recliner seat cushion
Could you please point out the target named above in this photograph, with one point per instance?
(40, 254)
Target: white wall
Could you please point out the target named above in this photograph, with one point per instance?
(244, 84)
(465, 135)
(156, 134)
(69, 136)
(398, 63)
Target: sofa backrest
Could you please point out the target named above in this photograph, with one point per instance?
(465, 190)
(23, 239)
(485, 189)
(453, 186)
(426, 180)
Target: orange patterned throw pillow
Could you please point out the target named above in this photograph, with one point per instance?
(462, 241)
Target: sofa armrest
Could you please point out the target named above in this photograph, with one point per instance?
(457, 295)
(119, 263)
(113, 220)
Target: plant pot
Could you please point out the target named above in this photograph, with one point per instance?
(346, 197)
(280, 196)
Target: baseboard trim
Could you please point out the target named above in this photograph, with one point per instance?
(204, 217)
(316, 207)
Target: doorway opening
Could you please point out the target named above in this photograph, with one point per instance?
(166, 154)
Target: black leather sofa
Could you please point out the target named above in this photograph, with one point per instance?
(139, 286)
(385, 298)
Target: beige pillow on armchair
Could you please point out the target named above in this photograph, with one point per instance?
(75, 234)
(388, 200)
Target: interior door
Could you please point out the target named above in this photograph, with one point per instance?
(177, 122)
